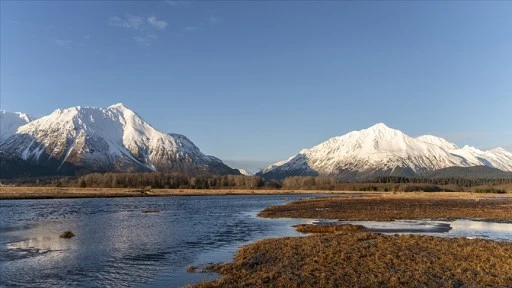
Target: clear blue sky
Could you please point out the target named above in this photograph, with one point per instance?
(251, 80)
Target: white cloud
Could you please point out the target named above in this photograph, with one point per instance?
(152, 36)
(158, 24)
(63, 43)
(142, 41)
(128, 21)
(213, 19)
(177, 2)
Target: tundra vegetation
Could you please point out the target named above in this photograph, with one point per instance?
(390, 207)
(350, 256)
(363, 259)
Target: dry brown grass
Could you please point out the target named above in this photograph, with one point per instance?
(310, 228)
(75, 192)
(368, 260)
(396, 207)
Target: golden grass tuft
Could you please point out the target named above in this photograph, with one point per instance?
(310, 228)
(364, 259)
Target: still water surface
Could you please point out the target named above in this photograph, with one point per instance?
(118, 245)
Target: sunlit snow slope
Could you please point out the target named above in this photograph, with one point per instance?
(379, 151)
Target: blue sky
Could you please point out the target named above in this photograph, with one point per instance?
(260, 80)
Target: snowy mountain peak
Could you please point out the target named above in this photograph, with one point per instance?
(117, 106)
(379, 130)
(380, 126)
(500, 150)
(11, 121)
(441, 142)
(107, 139)
(381, 150)
(244, 172)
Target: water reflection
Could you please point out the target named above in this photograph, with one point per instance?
(117, 244)
(457, 228)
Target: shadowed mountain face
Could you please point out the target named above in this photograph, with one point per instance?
(115, 139)
(383, 151)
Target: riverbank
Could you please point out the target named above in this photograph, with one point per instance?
(350, 256)
(7, 192)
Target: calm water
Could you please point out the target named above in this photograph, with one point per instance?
(458, 228)
(118, 245)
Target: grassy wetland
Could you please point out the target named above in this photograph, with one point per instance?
(359, 259)
(398, 206)
(351, 256)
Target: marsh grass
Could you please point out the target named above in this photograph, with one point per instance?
(395, 208)
(363, 259)
(311, 228)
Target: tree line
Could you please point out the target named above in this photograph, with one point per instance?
(462, 182)
(321, 183)
(169, 181)
(388, 183)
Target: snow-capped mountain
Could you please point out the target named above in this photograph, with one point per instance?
(10, 122)
(244, 172)
(85, 139)
(380, 150)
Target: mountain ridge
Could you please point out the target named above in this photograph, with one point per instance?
(114, 139)
(383, 151)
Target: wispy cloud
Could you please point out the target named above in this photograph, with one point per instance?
(178, 2)
(158, 24)
(63, 43)
(214, 20)
(146, 40)
(87, 37)
(128, 21)
(137, 22)
(24, 23)
(142, 41)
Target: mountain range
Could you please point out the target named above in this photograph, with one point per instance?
(383, 151)
(80, 140)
